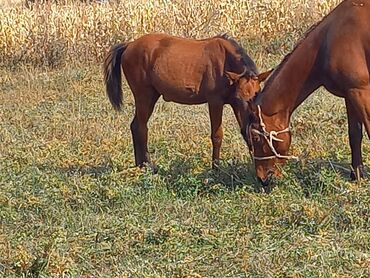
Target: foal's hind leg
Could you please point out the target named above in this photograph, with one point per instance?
(144, 105)
(215, 112)
(355, 139)
(359, 100)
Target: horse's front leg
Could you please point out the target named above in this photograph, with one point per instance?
(215, 112)
(355, 140)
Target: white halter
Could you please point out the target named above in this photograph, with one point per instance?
(270, 137)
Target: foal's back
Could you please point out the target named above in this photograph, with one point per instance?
(182, 70)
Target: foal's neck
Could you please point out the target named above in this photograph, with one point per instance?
(295, 79)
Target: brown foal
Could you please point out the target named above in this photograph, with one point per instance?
(216, 71)
(335, 54)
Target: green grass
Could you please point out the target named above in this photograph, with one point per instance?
(73, 205)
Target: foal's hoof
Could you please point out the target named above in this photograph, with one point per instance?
(358, 173)
(215, 165)
(151, 167)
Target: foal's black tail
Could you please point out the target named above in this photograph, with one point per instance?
(113, 75)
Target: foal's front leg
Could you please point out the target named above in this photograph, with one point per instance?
(215, 112)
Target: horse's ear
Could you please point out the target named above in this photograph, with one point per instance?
(264, 75)
(232, 77)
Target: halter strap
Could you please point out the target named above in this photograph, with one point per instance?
(270, 137)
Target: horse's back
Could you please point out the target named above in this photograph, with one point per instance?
(349, 24)
(347, 44)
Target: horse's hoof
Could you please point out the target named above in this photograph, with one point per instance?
(358, 174)
(154, 168)
(267, 189)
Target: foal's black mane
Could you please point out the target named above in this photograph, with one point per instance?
(251, 66)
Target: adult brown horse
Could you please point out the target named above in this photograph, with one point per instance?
(187, 71)
(335, 54)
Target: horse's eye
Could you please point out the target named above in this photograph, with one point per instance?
(256, 138)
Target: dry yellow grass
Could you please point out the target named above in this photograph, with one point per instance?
(52, 34)
(10, 3)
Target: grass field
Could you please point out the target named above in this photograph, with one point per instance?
(73, 205)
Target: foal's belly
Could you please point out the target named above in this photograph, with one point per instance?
(182, 81)
(180, 90)
(184, 96)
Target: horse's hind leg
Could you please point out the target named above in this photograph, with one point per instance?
(145, 100)
(215, 112)
(358, 109)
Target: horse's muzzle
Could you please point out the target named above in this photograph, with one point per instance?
(266, 182)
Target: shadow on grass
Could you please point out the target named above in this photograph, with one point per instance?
(187, 178)
(94, 171)
(318, 176)
(180, 178)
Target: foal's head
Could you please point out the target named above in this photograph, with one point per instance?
(246, 85)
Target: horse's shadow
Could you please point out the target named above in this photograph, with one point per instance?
(318, 176)
(312, 177)
(180, 178)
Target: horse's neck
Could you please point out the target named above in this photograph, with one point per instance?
(294, 82)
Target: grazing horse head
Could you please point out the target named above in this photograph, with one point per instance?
(268, 148)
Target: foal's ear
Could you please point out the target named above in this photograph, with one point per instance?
(235, 77)
(264, 75)
(232, 77)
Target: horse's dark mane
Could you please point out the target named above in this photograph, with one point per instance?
(251, 66)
